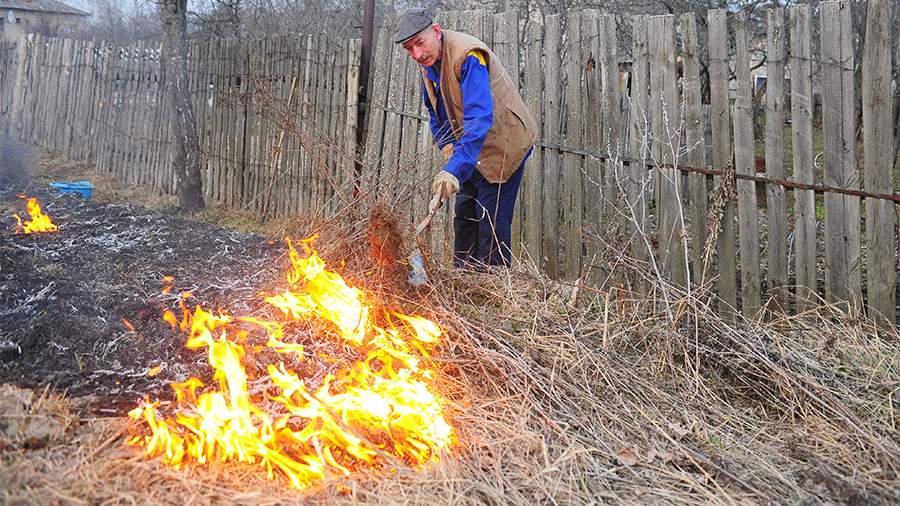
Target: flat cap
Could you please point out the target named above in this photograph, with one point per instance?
(411, 22)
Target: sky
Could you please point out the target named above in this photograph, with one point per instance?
(91, 6)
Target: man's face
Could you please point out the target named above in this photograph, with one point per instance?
(425, 46)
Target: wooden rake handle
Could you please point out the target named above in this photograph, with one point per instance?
(433, 206)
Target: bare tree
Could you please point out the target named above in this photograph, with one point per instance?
(173, 15)
(219, 19)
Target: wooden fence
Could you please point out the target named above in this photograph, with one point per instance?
(614, 98)
(8, 66)
(276, 121)
(624, 109)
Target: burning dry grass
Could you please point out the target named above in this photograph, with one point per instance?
(561, 397)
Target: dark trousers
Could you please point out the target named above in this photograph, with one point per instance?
(483, 222)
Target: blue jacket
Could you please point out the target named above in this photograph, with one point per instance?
(478, 114)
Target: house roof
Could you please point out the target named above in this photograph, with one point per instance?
(49, 6)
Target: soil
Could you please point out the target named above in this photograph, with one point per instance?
(81, 309)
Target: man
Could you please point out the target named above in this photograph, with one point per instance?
(483, 128)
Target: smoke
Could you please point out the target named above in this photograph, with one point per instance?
(16, 160)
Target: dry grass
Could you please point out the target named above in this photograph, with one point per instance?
(50, 167)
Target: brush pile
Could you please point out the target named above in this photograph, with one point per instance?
(557, 393)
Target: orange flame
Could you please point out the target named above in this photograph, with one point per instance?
(379, 411)
(39, 221)
(167, 283)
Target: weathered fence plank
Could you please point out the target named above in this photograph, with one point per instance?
(335, 127)
(666, 141)
(68, 129)
(552, 162)
(572, 189)
(350, 151)
(611, 107)
(802, 153)
(878, 154)
(442, 237)
(842, 219)
(232, 79)
(408, 155)
(393, 120)
(745, 163)
(533, 180)
(377, 102)
(9, 67)
(694, 141)
(776, 211)
(505, 45)
(639, 141)
(720, 118)
(594, 202)
(221, 147)
(24, 53)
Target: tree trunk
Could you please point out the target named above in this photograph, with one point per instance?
(173, 15)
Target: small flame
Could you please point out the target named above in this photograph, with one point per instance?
(167, 283)
(39, 221)
(377, 412)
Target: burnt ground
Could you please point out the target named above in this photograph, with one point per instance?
(65, 297)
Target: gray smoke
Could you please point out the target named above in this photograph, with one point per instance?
(16, 160)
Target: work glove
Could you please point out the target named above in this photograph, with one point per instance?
(447, 150)
(445, 184)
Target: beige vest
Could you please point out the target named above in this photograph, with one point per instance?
(514, 130)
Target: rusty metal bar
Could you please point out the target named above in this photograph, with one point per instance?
(792, 185)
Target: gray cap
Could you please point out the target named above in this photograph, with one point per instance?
(411, 22)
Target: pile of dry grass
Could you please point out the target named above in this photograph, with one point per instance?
(611, 399)
(572, 396)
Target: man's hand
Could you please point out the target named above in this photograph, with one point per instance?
(445, 185)
(447, 150)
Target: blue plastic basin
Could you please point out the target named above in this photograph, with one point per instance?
(83, 188)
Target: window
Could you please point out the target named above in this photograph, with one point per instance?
(760, 82)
